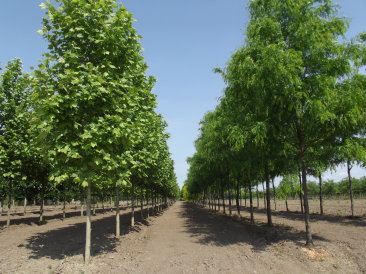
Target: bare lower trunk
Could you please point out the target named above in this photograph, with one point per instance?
(286, 205)
(264, 196)
(238, 197)
(223, 200)
(41, 210)
(349, 167)
(274, 193)
(82, 210)
(251, 202)
(321, 193)
(25, 206)
(257, 196)
(229, 192)
(245, 196)
(8, 212)
(64, 209)
(309, 238)
(300, 194)
(268, 198)
(88, 226)
(147, 204)
(132, 204)
(118, 228)
(142, 205)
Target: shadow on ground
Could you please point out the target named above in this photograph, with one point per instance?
(70, 241)
(211, 228)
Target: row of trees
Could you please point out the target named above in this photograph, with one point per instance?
(85, 118)
(294, 106)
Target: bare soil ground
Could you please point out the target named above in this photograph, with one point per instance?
(187, 239)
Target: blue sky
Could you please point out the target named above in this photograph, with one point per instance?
(183, 42)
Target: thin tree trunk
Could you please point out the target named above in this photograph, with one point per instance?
(41, 208)
(268, 198)
(88, 225)
(223, 199)
(257, 196)
(118, 227)
(300, 194)
(251, 202)
(274, 193)
(142, 205)
(245, 196)
(64, 210)
(82, 209)
(349, 167)
(132, 204)
(25, 206)
(237, 197)
(229, 192)
(309, 238)
(286, 205)
(147, 204)
(264, 196)
(8, 212)
(321, 193)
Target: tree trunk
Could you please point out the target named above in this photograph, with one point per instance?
(309, 238)
(25, 206)
(229, 192)
(88, 225)
(274, 193)
(223, 200)
(264, 196)
(268, 198)
(8, 212)
(286, 205)
(251, 202)
(64, 210)
(321, 193)
(147, 204)
(300, 194)
(257, 196)
(82, 209)
(238, 197)
(349, 167)
(41, 209)
(132, 204)
(142, 205)
(245, 196)
(118, 228)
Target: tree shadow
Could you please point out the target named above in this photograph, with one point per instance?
(211, 228)
(298, 216)
(69, 241)
(32, 218)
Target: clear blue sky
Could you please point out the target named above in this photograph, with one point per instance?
(183, 42)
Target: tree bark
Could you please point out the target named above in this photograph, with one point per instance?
(274, 193)
(132, 204)
(238, 197)
(88, 225)
(251, 202)
(286, 205)
(142, 205)
(264, 196)
(321, 193)
(257, 196)
(25, 206)
(8, 217)
(41, 208)
(229, 192)
(349, 167)
(309, 237)
(118, 228)
(300, 194)
(268, 198)
(147, 204)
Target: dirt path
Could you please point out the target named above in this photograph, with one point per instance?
(184, 239)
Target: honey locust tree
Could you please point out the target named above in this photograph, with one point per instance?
(301, 78)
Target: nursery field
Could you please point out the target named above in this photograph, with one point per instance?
(185, 238)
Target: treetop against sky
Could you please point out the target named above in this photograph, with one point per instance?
(183, 41)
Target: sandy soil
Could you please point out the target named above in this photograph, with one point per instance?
(187, 239)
